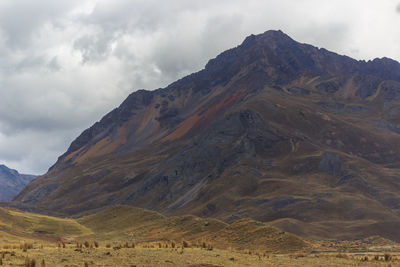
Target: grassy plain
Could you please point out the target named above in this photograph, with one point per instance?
(128, 236)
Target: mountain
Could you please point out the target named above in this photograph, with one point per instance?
(11, 182)
(273, 130)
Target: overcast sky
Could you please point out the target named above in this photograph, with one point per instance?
(65, 64)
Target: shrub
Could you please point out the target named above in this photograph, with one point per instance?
(388, 257)
(185, 244)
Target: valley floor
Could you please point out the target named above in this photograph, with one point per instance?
(148, 256)
(128, 236)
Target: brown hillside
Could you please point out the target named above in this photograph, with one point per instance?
(122, 224)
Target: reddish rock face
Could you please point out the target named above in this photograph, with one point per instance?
(273, 130)
(11, 182)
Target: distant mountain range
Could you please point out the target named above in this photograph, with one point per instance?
(11, 182)
(273, 129)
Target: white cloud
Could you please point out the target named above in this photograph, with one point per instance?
(64, 64)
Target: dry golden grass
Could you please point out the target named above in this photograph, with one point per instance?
(147, 256)
(126, 236)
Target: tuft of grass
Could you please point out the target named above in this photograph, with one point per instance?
(300, 255)
(25, 246)
(30, 262)
(342, 256)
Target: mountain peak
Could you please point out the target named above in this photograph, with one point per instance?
(271, 35)
(271, 38)
(275, 35)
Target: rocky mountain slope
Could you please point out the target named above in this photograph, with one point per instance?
(11, 182)
(273, 130)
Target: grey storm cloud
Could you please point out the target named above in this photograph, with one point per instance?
(65, 64)
(20, 19)
(94, 48)
(398, 8)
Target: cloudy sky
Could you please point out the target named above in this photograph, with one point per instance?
(66, 63)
